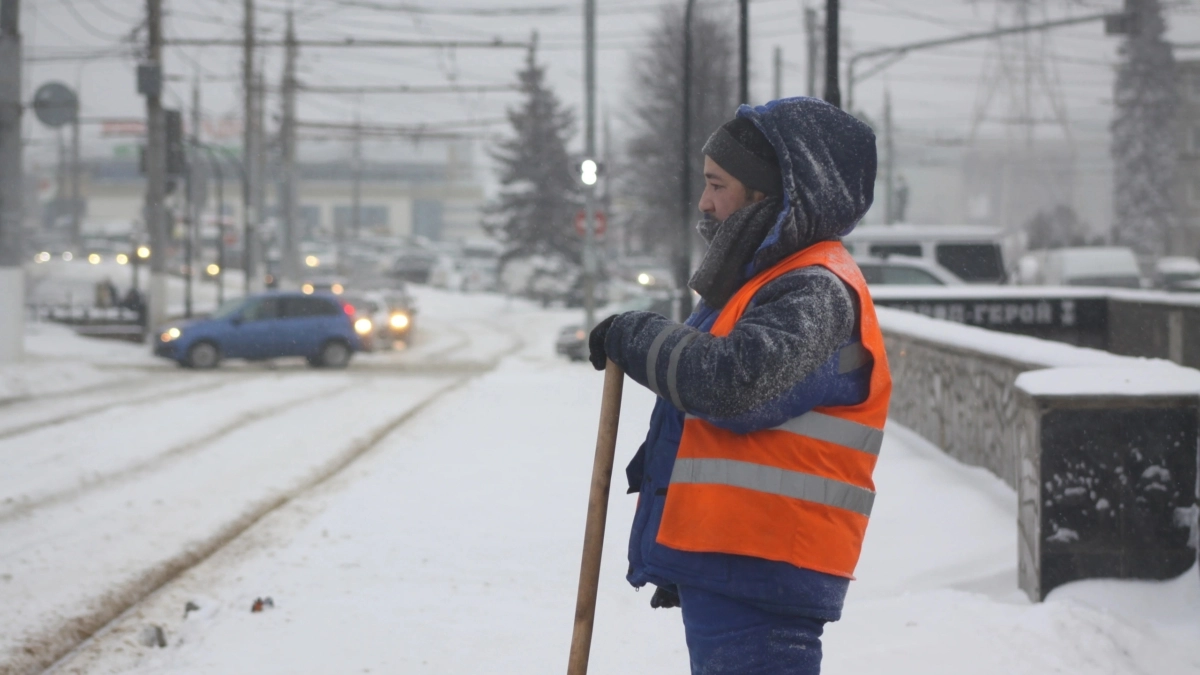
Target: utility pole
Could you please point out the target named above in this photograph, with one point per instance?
(889, 161)
(833, 93)
(260, 165)
(76, 214)
(356, 188)
(12, 275)
(811, 42)
(744, 51)
(777, 90)
(156, 169)
(287, 139)
(683, 256)
(249, 145)
(193, 201)
(219, 174)
(589, 191)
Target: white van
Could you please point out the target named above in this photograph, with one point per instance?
(974, 253)
(1106, 266)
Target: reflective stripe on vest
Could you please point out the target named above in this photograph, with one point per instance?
(800, 492)
(774, 481)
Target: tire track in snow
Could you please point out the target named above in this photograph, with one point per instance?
(187, 388)
(154, 462)
(39, 651)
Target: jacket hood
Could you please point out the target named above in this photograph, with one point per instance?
(828, 161)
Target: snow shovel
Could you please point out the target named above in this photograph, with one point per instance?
(593, 535)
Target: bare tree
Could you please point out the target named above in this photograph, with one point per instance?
(652, 175)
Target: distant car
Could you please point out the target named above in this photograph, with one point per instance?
(401, 315)
(318, 327)
(332, 284)
(1172, 272)
(413, 265)
(572, 341)
(1103, 266)
(907, 271)
(380, 318)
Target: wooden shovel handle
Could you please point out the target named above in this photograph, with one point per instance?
(593, 536)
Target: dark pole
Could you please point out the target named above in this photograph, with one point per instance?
(215, 163)
(833, 93)
(744, 52)
(683, 260)
(220, 229)
(156, 170)
(12, 274)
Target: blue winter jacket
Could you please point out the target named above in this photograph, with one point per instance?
(791, 351)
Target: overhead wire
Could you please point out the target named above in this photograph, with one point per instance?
(88, 25)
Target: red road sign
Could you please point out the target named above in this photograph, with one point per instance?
(581, 223)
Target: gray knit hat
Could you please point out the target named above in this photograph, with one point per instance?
(742, 150)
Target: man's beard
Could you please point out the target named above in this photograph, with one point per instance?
(707, 226)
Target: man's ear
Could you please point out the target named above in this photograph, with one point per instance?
(756, 196)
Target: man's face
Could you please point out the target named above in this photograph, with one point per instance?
(723, 194)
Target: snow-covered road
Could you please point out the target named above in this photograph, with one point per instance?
(114, 486)
(451, 545)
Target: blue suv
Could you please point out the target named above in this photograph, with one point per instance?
(318, 327)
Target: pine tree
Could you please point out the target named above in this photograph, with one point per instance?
(534, 213)
(652, 175)
(1143, 134)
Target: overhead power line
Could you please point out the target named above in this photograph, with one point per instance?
(409, 8)
(496, 43)
(408, 89)
(401, 130)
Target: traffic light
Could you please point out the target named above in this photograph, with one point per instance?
(589, 171)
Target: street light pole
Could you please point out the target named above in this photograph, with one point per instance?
(897, 52)
(589, 190)
(683, 257)
(744, 51)
(833, 92)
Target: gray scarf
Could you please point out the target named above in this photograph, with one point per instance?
(731, 248)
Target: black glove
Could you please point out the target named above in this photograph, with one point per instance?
(665, 597)
(596, 353)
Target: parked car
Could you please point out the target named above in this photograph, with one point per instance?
(907, 271)
(973, 253)
(317, 326)
(1172, 272)
(413, 265)
(572, 341)
(1105, 266)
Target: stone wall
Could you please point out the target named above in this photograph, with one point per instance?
(959, 400)
(1103, 465)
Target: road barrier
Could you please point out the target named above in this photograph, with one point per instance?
(1101, 449)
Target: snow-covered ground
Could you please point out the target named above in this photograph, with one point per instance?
(451, 545)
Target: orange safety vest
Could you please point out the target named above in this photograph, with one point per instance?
(799, 493)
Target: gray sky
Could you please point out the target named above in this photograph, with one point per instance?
(935, 94)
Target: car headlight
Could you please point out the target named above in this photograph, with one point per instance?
(362, 326)
(399, 321)
(171, 333)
